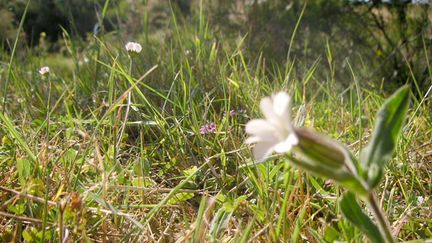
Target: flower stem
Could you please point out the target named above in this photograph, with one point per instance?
(47, 159)
(119, 139)
(381, 219)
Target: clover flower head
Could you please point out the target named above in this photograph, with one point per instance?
(208, 128)
(44, 70)
(275, 133)
(133, 47)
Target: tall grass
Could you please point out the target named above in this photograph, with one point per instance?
(67, 170)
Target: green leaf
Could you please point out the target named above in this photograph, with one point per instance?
(105, 8)
(191, 171)
(17, 209)
(220, 222)
(180, 197)
(388, 127)
(239, 200)
(354, 213)
(331, 234)
(13, 133)
(24, 168)
(199, 229)
(28, 237)
(69, 157)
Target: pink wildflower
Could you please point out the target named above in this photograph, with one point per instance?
(208, 128)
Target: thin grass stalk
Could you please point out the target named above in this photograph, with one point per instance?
(9, 71)
(383, 224)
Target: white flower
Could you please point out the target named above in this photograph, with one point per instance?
(275, 133)
(44, 70)
(420, 200)
(133, 47)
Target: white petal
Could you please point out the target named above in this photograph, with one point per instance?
(253, 139)
(44, 70)
(262, 130)
(138, 48)
(266, 106)
(133, 47)
(282, 108)
(281, 103)
(287, 144)
(293, 139)
(263, 138)
(259, 126)
(129, 46)
(262, 150)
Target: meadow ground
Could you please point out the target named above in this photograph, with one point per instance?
(115, 147)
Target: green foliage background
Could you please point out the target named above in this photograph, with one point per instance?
(388, 40)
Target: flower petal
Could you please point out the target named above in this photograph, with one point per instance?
(281, 102)
(262, 150)
(259, 126)
(266, 107)
(262, 130)
(287, 144)
(282, 108)
(253, 139)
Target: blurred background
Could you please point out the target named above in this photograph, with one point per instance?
(387, 41)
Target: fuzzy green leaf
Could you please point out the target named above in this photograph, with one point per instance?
(389, 123)
(354, 213)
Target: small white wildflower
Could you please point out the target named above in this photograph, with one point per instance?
(275, 133)
(44, 70)
(133, 47)
(420, 200)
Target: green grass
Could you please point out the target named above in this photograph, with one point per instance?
(67, 164)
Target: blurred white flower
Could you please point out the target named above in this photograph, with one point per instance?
(420, 200)
(44, 70)
(133, 47)
(275, 133)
